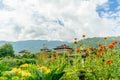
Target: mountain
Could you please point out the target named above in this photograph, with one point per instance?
(36, 45)
(93, 42)
(33, 45)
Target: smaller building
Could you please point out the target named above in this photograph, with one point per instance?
(63, 48)
(45, 49)
(23, 51)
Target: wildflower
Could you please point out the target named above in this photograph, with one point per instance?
(47, 71)
(105, 38)
(44, 55)
(75, 42)
(109, 62)
(102, 47)
(91, 48)
(15, 70)
(86, 54)
(111, 46)
(98, 54)
(118, 42)
(25, 74)
(75, 39)
(87, 50)
(99, 44)
(115, 42)
(24, 65)
(44, 69)
(78, 50)
(83, 35)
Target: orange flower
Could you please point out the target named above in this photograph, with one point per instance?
(105, 38)
(78, 50)
(44, 55)
(115, 42)
(98, 54)
(91, 48)
(86, 54)
(83, 35)
(118, 42)
(109, 62)
(111, 46)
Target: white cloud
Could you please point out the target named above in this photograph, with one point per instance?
(39, 19)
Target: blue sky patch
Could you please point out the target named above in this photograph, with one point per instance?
(110, 7)
(1, 4)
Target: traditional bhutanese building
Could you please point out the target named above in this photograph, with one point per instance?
(63, 48)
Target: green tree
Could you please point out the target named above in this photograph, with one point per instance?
(6, 50)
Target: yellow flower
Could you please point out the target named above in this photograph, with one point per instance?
(24, 65)
(47, 71)
(15, 70)
(25, 74)
(44, 69)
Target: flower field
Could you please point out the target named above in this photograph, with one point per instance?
(101, 63)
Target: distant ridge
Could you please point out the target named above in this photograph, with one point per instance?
(93, 42)
(33, 45)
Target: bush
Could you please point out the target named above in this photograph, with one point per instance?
(6, 50)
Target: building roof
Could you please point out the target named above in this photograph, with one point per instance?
(45, 49)
(23, 51)
(62, 47)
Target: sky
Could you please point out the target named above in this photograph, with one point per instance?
(58, 19)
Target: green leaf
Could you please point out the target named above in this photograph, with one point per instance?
(58, 76)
